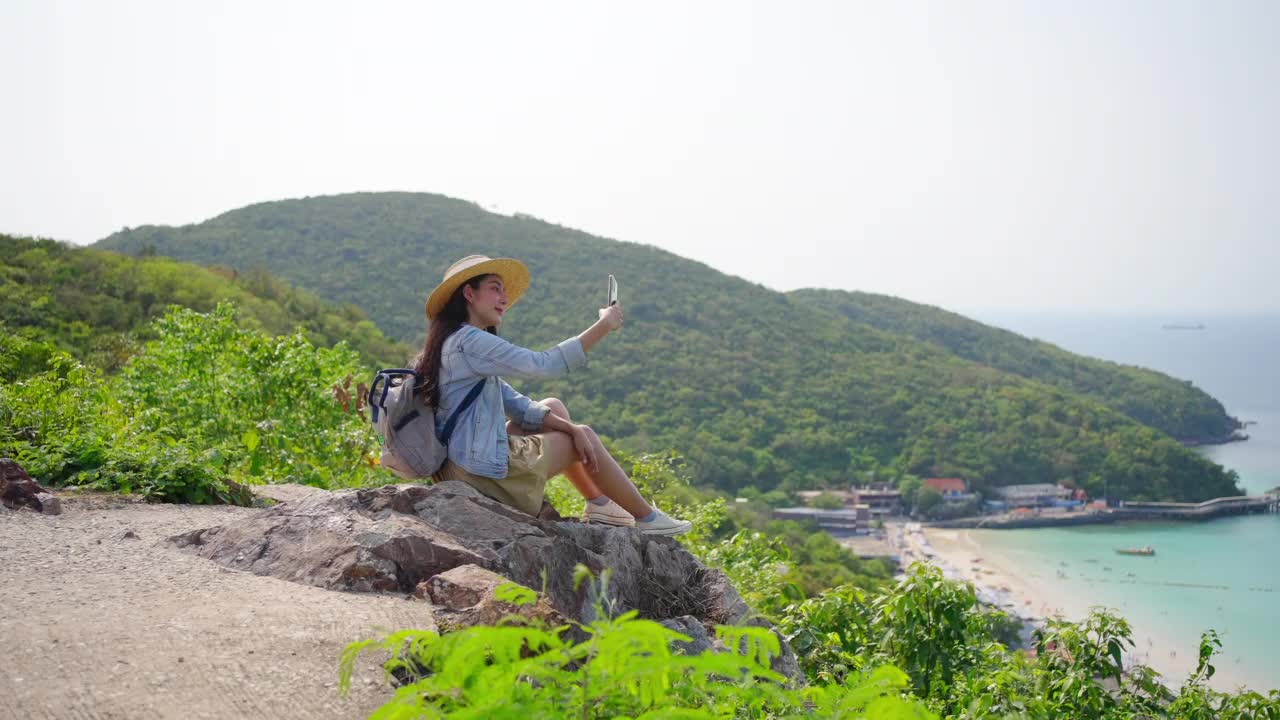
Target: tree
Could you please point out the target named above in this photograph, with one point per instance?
(929, 498)
(909, 486)
(827, 501)
(776, 499)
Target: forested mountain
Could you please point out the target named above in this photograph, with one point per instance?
(1149, 397)
(97, 305)
(755, 387)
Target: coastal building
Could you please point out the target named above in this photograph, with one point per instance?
(879, 501)
(955, 493)
(1034, 495)
(948, 487)
(845, 497)
(850, 520)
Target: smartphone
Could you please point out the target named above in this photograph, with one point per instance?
(613, 291)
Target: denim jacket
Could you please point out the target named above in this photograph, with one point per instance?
(479, 441)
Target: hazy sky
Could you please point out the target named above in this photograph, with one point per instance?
(980, 156)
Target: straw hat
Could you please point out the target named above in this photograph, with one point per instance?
(515, 279)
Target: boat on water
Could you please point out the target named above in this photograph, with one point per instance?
(1144, 550)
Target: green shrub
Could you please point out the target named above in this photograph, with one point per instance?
(951, 648)
(59, 421)
(264, 403)
(66, 427)
(623, 668)
(21, 357)
(205, 405)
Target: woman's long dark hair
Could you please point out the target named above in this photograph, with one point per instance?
(445, 323)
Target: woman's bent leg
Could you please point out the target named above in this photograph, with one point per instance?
(576, 472)
(609, 478)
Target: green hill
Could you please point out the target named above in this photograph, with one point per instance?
(97, 304)
(1152, 398)
(755, 387)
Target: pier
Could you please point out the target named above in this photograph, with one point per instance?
(1217, 507)
(1128, 510)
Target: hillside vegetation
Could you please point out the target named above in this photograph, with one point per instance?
(208, 402)
(98, 305)
(1149, 397)
(756, 388)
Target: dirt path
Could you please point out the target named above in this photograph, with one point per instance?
(96, 625)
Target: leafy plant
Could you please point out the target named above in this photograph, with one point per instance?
(207, 403)
(624, 667)
(264, 403)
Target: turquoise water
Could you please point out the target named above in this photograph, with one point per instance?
(1256, 460)
(1222, 574)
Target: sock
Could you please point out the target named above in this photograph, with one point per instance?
(599, 500)
(653, 515)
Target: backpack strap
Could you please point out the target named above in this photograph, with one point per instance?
(384, 376)
(447, 432)
(382, 385)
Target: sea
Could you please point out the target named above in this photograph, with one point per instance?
(1221, 574)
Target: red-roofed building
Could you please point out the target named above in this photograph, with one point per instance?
(947, 486)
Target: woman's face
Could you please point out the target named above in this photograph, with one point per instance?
(486, 303)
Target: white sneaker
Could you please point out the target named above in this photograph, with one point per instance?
(611, 513)
(663, 525)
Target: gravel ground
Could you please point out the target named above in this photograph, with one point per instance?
(97, 624)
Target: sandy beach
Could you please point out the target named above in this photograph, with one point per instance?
(961, 557)
(1036, 595)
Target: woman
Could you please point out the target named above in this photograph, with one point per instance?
(510, 458)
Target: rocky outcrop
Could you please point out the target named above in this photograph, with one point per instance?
(452, 545)
(18, 490)
(467, 595)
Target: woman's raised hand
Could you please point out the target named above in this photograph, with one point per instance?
(612, 316)
(610, 320)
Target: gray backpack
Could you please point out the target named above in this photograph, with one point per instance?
(410, 447)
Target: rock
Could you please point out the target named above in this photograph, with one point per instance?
(699, 639)
(464, 596)
(785, 664)
(728, 607)
(49, 503)
(462, 587)
(284, 492)
(548, 513)
(351, 540)
(452, 545)
(18, 490)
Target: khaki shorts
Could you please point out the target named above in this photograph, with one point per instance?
(528, 469)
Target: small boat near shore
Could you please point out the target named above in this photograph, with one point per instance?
(1144, 550)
